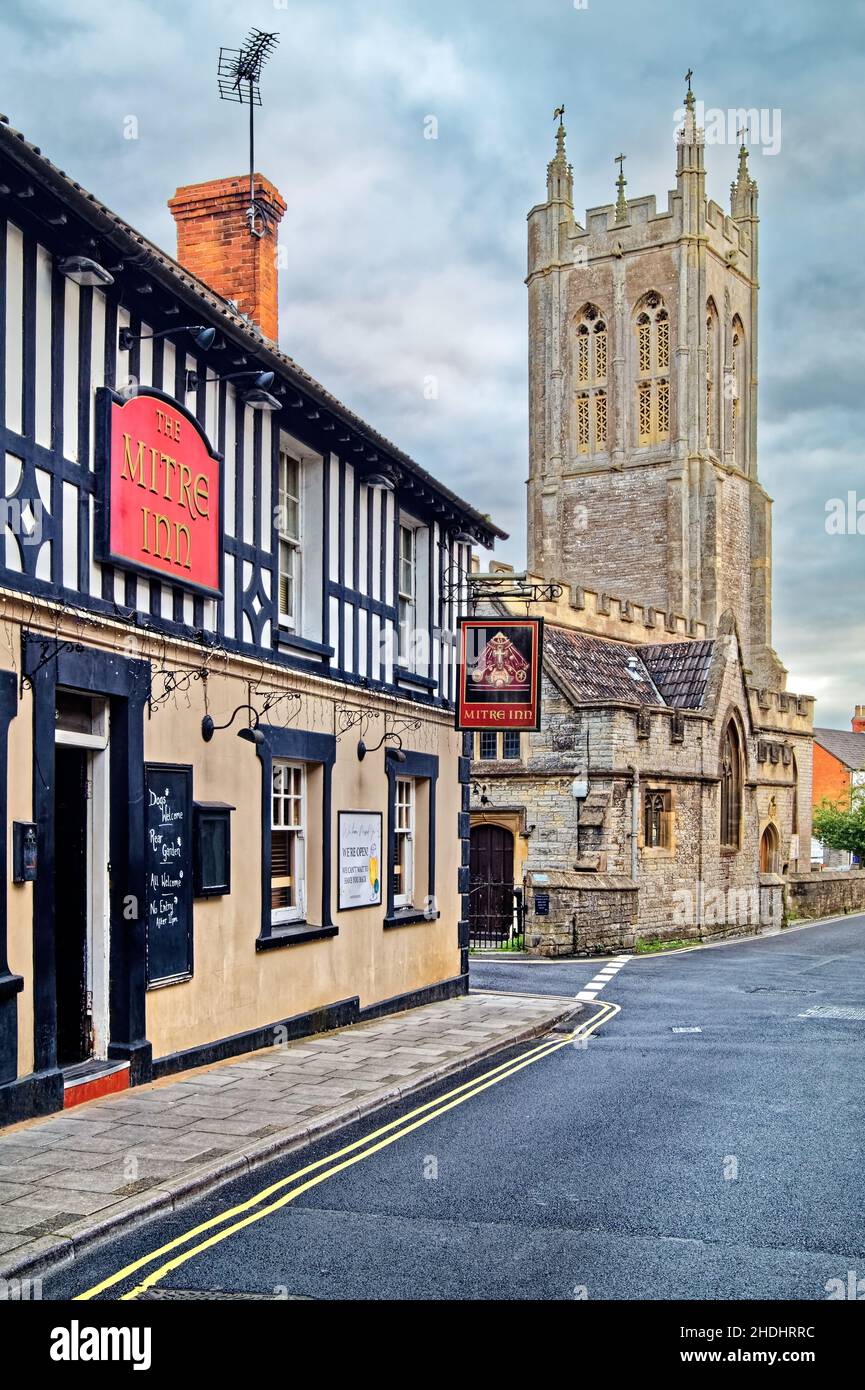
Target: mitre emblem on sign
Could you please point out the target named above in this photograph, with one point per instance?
(501, 666)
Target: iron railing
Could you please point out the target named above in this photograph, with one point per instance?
(496, 917)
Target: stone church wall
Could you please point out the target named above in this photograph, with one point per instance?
(826, 894)
(613, 530)
(580, 855)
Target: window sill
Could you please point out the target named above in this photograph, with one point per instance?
(293, 934)
(284, 637)
(409, 917)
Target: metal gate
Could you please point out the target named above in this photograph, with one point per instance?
(495, 916)
(495, 905)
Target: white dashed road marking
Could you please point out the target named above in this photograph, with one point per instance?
(609, 972)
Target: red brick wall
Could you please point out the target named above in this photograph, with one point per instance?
(214, 242)
(831, 777)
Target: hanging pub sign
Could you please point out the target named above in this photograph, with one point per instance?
(160, 504)
(500, 673)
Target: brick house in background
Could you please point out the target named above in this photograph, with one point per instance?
(839, 765)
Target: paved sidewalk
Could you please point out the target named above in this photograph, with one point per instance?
(69, 1180)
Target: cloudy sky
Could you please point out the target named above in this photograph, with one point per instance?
(406, 255)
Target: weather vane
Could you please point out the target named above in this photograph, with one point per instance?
(239, 75)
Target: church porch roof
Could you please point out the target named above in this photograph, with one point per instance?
(594, 669)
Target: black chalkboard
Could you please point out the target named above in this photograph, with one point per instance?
(168, 859)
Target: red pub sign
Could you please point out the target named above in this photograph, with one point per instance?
(161, 499)
(500, 673)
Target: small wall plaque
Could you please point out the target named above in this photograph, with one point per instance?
(24, 856)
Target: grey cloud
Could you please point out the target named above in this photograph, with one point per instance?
(406, 256)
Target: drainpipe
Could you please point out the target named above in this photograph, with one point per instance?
(635, 820)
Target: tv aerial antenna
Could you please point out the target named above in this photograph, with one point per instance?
(239, 76)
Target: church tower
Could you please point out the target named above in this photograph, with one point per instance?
(643, 399)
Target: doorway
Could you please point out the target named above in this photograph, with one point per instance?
(492, 915)
(81, 839)
(71, 855)
(769, 851)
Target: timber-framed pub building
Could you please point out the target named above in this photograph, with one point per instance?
(200, 541)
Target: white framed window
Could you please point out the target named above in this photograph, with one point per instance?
(289, 540)
(288, 843)
(403, 847)
(407, 592)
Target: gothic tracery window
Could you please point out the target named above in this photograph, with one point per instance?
(590, 407)
(737, 424)
(731, 788)
(657, 820)
(712, 395)
(652, 325)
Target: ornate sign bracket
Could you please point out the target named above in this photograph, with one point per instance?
(492, 587)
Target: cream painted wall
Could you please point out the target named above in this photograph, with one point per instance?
(234, 988)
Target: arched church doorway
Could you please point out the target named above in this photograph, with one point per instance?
(769, 851)
(491, 885)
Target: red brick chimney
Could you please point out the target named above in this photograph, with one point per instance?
(214, 242)
(857, 723)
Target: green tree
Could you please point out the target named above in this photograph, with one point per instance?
(841, 824)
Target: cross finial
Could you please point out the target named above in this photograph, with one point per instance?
(688, 75)
(621, 201)
(741, 133)
(559, 114)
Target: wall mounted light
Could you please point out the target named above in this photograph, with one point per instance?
(395, 752)
(257, 399)
(381, 480)
(260, 380)
(251, 734)
(203, 340)
(84, 271)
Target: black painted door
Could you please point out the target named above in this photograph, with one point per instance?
(491, 887)
(71, 915)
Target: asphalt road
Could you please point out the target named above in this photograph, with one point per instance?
(724, 1163)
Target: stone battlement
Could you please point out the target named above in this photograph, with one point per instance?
(781, 710)
(603, 615)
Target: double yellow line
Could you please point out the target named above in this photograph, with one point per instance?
(248, 1212)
